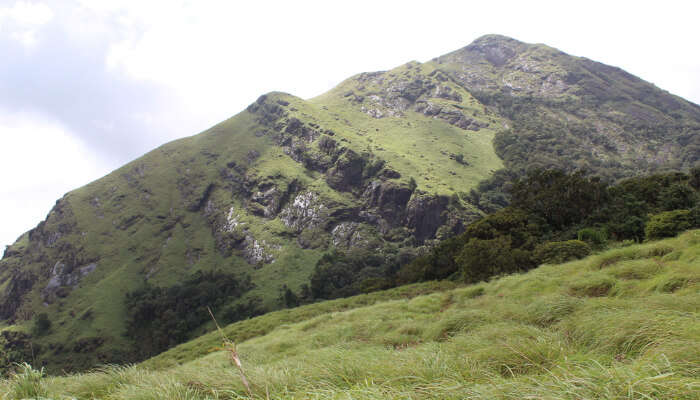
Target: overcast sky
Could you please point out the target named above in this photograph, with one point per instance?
(88, 85)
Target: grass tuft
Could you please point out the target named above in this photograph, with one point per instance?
(27, 383)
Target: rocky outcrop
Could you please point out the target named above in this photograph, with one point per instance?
(346, 174)
(20, 283)
(425, 214)
(266, 203)
(198, 201)
(387, 199)
(305, 212)
(350, 235)
(413, 91)
(450, 114)
(62, 280)
(231, 233)
(268, 112)
(257, 252)
(59, 223)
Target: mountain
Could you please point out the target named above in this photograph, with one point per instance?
(384, 165)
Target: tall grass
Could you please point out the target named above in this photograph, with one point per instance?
(26, 383)
(551, 333)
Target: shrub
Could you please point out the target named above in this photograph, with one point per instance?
(159, 318)
(695, 216)
(482, 259)
(596, 238)
(42, 324)
(677, 196)
(412, 184)
(694, 180)
(559, 252)
(667, 224)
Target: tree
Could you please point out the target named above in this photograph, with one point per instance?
(559, 252)
(695, 178)
(559, 199)
(287, 297)
(42, 324)
(482, 259)
(677, 196)
(668, 223)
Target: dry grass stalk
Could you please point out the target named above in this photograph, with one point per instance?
(230, 347)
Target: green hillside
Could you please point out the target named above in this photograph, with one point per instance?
(386, 164)
(620, 324)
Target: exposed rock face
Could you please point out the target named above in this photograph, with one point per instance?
(267, 111)
(450, 115)
(389, 199)
(232, 220)
(425, 214)
(414, 91)
(257, 252)
(349, 235)
(267, 203)
(62, 218)
(62, 280)
(20, 283)
(300, 130)
(232, 234)
(346, 174)
(305, 212)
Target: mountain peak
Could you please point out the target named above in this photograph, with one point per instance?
(494, 38)
(493, 48)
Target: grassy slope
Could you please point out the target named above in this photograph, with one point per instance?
(620, 324)
(417, 146)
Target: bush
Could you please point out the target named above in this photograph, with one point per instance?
(677, 196)
(342, 274)
(695, 216)
(694, 180)
(559, 252)
(596, 238)
(483, 259)
(159, 318)
(668, 224)
(42, 324)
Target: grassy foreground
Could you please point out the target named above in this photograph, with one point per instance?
(622, 324)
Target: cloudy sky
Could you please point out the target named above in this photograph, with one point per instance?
(88, 85)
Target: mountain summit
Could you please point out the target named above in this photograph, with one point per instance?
(385, 164)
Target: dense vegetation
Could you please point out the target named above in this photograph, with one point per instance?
(159, 318)
(550, 206)
(553, 217)
(622, 324)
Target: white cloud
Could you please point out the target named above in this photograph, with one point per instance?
(40, 161)
(23, 20)
(27, 14)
